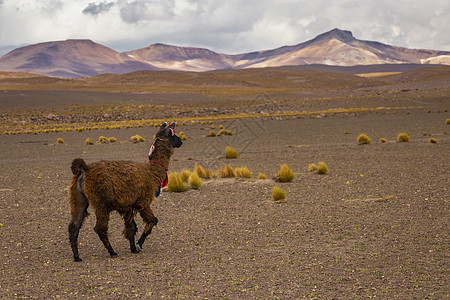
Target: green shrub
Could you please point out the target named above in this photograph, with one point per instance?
(278, 193)
(285, 174)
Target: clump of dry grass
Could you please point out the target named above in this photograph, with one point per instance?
(176, 183)
(433, 141)
(60, 141)
(243, 172)
(447, 122)
(403, 137)
(225, 132)
(285, 174)
(89, 142)
(112, 140)
(103, 139)
(182, 136)
(185, 174)
(212, 133)
(322, 168)
(383, 140)
(363, 139)
(230, 153)
(202, 172)
(262, 176)
(195, 181)
(312, 167)
(137, 139)
(278, 193)
(227, 172)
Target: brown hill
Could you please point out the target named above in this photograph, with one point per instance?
(70, 58)
(84, 58)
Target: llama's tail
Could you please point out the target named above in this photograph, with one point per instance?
(78, 165)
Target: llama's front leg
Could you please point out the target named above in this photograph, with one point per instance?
(150, 220)
(130, 231)
(101, 228)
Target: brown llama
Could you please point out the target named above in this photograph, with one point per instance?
(124, 186)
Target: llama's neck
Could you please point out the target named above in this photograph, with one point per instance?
(161, 154)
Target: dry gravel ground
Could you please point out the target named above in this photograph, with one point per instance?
(377, 225)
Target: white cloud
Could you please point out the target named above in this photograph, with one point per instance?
(232, 26)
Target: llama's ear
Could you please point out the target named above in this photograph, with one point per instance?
(163, 126)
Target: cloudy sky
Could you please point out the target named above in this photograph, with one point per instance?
(226, 26)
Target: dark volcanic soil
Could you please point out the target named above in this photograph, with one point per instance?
(377, 225)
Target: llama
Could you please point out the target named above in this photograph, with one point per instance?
(124, 186)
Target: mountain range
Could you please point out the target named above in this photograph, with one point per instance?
(85, 58)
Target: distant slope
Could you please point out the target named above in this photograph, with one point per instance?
(71, 59)
(84, 58)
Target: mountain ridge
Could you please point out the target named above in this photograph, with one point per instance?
(75, 58)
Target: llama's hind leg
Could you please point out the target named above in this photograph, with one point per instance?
(79, 205)
(150, 220)
(101, 228)
(130, 230)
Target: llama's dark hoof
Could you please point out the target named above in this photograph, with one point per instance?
(76, 259)
(113, 255)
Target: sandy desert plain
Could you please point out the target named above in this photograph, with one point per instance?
(375, 226)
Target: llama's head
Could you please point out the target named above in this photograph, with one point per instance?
(166, 138)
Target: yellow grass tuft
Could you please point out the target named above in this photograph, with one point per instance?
(103, 139)
(383, 140)
(403, 137)
(182, 135)
(312, 167)
(185, 174)
(212, 133)
(243, 172)
(227, 172)
(363, 139)
(230, 153)
(112, 140)
(285, 174)
(89, 142)
(322, 168)
(278, 193)
(225, 132)
(447, 122)
(176, 183)
(60, 141)
(194, 181)
(137, 139)
(262, 176)
(433, 141)
(201, 172)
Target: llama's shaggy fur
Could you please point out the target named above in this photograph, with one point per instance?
(124, 186)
